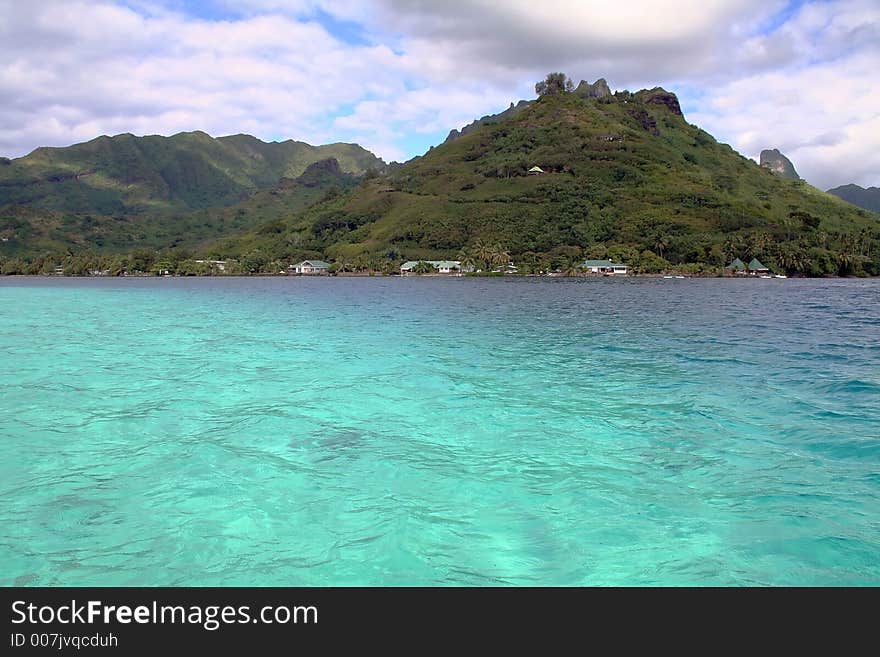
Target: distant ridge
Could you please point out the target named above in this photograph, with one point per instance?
(869, 198)
(154, 174)
(125, 192)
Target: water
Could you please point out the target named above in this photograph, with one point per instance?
(439, 432)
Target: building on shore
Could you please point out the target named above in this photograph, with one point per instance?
(736, 268)
(310, 268)
(448, 267)
(739, 268)
(219, 265)
(757, 269)
(605, 267)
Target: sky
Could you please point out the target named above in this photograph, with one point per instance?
(397, 75)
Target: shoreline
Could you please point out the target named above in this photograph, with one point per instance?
(436, 276)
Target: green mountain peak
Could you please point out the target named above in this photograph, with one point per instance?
(569, 176)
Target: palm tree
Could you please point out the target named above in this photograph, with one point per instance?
(483, 252)
(374, 263)
(423, 267)
(661, 243)
(785, 258)
(800, 260)
(117, 266)
(499, 256)
(864, 241)
(788, 222)
(733, 246)
(361, 263)
(572, 268)
(467, 260)
(761, 242)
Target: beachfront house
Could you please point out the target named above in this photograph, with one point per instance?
(310, 267)
(605, 267)
(736, 268)
(757, 269)
(219, 265)
(449, 267)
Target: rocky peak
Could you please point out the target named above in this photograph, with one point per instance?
(778, 164)
(668, 99)
(330, 165)
(320, 171)
(599, 89)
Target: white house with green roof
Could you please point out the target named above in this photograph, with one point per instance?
(310, 267)
(605, 267)
(450, 267)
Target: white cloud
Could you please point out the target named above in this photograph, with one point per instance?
(825, 118)
(74, 70)
(822, 109)
(635, 41)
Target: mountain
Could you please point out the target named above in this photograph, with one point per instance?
(778, 164)
(125, 192)
(141, 175)
(864, 198)
(619, 175)
(27, 230)
(624, 176)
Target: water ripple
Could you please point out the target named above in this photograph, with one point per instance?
(440, 432)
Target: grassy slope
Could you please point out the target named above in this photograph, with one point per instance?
(33, 231)
(660, 181)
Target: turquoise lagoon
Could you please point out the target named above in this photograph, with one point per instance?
(296, 431)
